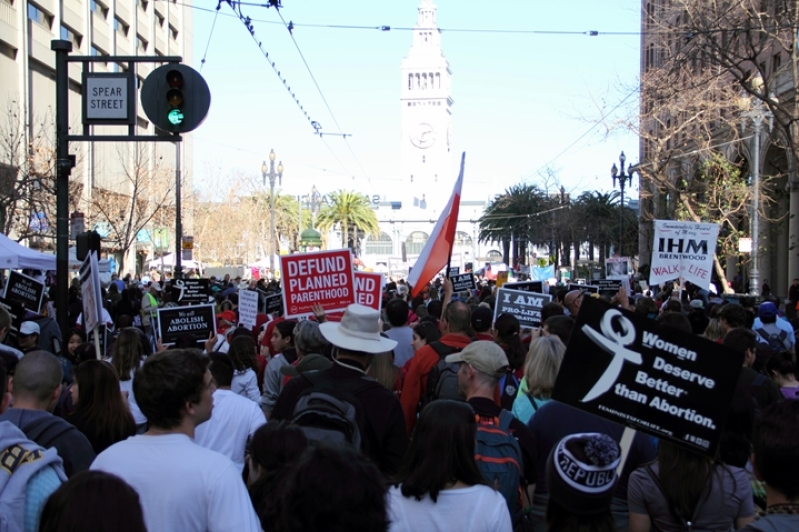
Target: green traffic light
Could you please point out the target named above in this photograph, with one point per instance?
(175, 117)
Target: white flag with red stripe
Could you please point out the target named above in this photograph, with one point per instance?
(438, 249)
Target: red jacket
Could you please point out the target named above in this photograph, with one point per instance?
(415, 385)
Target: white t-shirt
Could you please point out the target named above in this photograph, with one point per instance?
(245, 383)
(234, 420)
(472, 509)
(182, 486)
(127, 386)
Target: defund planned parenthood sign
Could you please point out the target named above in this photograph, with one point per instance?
(629, 369)
(325, 278)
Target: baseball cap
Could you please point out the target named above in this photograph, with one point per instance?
(29, 327)
(482, 318)
(767, 310)
(486, 357)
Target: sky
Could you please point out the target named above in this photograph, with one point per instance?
(525, 103)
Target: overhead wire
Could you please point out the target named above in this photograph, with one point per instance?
(208, 44)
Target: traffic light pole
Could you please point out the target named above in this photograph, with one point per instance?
(178, 217)
(64, 166)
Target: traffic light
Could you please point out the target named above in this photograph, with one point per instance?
(175, 98)
(87, 242)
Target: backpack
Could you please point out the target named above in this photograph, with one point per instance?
(328, 412)
(499, 458)
(508, 389)
(776, 342)
(442, 381)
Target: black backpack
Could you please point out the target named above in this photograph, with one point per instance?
(329, 412)
(776, 342)
(442, 382)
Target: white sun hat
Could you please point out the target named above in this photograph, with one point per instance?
(358, 330)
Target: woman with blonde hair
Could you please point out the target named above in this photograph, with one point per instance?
(540, 371)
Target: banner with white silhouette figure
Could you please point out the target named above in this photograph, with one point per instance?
(629, 369)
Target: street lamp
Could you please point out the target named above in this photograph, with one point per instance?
(757, 112)
(269, 171)
(623, 180)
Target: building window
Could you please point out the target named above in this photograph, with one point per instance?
(99, 8)
(415, 242)
(382, 245)
(141, 43)
(462, 239)
(69, 35)
(143, 4)
(173, 33)
(423, 158)
(776, 62)
(410, 81)
(161, 20)
(40, 17)
(121, 28)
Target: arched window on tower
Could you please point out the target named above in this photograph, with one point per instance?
(415, 242)
(410, 81)
(438, 80)
(424, 81)
(417, 81)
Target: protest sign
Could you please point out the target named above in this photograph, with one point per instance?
(609, 287)
(453, 271)
(502, 278)
(91, 291)
(24, 290)
(526, 286)
(583, 287)
(462, 282)
(324, 277)
(629, 369)
(526, 306)
(190, 291)
(273, 303)
(248, 308)
(197, 321)
(616, 267)
(683, 250)
(369, 289)
(17, 312)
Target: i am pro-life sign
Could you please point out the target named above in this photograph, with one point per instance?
(629, 369)
(109, 98)
(526, 306)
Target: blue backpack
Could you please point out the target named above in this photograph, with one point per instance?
(499, 458)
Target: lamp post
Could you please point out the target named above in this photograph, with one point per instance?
(623, 179)
(757, 112)
(269, 171)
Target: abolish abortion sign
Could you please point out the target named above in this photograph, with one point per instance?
(174, 322)
(683, 249)
(24, 290)
(629, 369)
(324, 277)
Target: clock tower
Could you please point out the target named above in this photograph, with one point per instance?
(426, 117)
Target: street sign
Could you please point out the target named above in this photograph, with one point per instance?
(629, 369)
(109, 98)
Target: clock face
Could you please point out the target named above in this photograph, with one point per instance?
(423, 136)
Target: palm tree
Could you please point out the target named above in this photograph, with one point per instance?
(353, 211)
(510, 219)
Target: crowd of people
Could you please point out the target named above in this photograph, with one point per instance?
(428, 414)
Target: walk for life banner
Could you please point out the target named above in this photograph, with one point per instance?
(324, 277)
(190, 291)
(629, 369)
(25, 290)
(683, 250)
(197, 321)
(248, 308)
(526, 306)
(369, 289)
(91, 291)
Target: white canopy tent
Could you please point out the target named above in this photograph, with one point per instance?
(14, 256)
(169, 261)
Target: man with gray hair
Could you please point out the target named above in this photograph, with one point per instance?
(36, 387)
